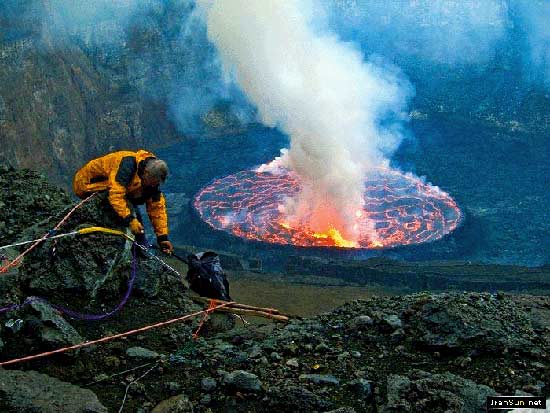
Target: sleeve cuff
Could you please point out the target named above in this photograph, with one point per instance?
(128, 219)
(162, 238)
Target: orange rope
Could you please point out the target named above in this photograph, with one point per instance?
(211, 307)
(17, 260)
(113, 337)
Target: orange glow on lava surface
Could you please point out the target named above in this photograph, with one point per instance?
(399, 209)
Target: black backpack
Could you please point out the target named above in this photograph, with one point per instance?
(206, 277)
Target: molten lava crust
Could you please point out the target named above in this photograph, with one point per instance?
(401, 208)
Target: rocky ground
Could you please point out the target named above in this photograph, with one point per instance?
(422, 352)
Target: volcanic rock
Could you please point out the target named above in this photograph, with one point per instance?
(365, 355)
(242, 380)
(26, 198)
(29, 392)
(426, 392)
(208, 384)
(175, 404)
(476, 321)
(320, 379)
(360, 322)
(292, 398)
(255, 352)
(52, 329)
(361, 387)
(142, 353)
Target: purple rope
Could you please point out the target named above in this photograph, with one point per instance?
(82, 316)
(17, 306)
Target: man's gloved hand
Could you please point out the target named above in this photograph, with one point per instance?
(166, 247)
(136, 227)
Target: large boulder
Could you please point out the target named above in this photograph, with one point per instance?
(31, 392)
(50, 326)
(421, 391)
(84, 263)
(87, 266)
(479, 322)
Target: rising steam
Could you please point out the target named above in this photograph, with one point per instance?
(337, 109)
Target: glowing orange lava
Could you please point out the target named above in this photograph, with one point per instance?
(399, 207)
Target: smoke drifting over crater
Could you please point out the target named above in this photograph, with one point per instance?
(320, 92)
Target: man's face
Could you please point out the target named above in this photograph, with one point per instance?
(148, 180)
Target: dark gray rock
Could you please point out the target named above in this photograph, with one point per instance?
(393, 321)
(255, 352)
(361, 387)
(422, 391)
(274, 356)
(92, 265)
(142, 353)
(218, 322)
(208, 384)
(3, 113)
(175, 404)
(360, 322)
(206, 400)
(293, 398)
(470, 320)
(242, 380)
(23, 202)
(51, 327)
(173, 387)
(31, 392)
(320, 379)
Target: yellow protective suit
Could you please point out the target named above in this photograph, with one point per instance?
(119, 173)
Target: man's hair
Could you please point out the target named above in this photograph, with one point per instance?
(157, 168)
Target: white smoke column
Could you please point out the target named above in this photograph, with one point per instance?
(320, 92)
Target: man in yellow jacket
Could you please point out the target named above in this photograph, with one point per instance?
(131, 179)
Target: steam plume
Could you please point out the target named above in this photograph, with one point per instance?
(319, 91)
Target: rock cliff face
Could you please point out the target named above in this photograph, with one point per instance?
(60, 105)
